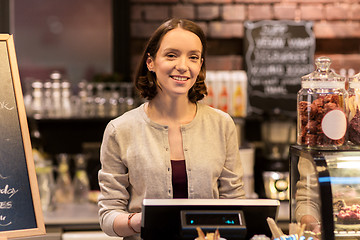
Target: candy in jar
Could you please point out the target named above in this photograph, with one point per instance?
(353, 109)
(321, 110)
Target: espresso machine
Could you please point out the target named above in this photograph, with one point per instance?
(277, 133)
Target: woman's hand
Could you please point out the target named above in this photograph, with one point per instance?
(311, 223)
(136, 222)
(123, 226)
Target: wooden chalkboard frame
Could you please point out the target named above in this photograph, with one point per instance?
(39, 228)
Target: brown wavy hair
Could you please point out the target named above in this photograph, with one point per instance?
(145, 81)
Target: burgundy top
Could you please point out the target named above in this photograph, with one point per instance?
(179, 179)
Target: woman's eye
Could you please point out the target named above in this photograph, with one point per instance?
(195, 57)
(170, 55)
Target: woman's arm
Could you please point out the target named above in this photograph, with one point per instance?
(113, 182)
(125, 226)
(231, 182)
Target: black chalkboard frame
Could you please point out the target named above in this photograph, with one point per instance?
(39, 228)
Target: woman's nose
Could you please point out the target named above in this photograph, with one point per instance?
(181, 64)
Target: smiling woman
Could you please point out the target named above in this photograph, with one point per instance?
(172, 146)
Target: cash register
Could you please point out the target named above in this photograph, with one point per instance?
(177, 219)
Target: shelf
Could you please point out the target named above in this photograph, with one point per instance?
(66, 135)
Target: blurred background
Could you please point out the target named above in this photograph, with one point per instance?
(76, 61)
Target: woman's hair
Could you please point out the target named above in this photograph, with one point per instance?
(145, 81)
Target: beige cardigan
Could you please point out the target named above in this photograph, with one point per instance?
(135, 160)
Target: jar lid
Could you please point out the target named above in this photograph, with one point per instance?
(354, 81)
(355, 78)
(323, 72)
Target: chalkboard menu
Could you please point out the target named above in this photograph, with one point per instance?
(277, 55)
(20, 207)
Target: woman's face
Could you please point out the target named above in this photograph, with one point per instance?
(177, 62)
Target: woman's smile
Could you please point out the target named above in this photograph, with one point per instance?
(179, 78)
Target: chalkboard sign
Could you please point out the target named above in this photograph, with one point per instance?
(20, 207)
(277, 55)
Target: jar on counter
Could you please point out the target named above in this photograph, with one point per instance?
(321, 107)
(353, 109)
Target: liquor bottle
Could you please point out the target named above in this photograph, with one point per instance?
(223, 97)
(81, 180)
(64, 192)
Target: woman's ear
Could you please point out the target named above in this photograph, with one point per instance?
(150, 63)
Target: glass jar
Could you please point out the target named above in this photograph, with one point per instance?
(321, 107)
(353, 109)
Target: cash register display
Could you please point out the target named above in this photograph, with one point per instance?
(213, 218)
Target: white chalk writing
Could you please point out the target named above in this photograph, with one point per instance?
(5, 105)
(8, 191)
(3, 221)
(274, 30)
(269, 42)
(280, 56)
(2, 177)
(6, 205)
(300, 42)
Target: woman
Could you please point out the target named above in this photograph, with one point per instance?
(171, 146)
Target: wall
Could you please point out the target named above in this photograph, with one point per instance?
(74, 37)
(336, 25)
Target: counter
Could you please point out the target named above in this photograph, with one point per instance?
(73, 217)
(72, 221)
(81, 222)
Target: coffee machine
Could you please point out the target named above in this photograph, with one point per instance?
(277, 133)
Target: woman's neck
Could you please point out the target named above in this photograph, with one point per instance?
(176, 111)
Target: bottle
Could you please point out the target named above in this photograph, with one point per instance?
(56, 99)
(209, 99)
(56, 79)
(129, 99)
(90, 107)
(64, 189)
(45, 177)
(48, 105)
(66, 106)
(114, 107)
(353, 109)
(239, 94)
(37, 99)
(100, 100)
(210, 96)
(122, 98)
(28, 96)
(321, 107)
(224, 94)
(81, 180)
(81, 99)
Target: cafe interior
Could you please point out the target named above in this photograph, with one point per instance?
(76, 62)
